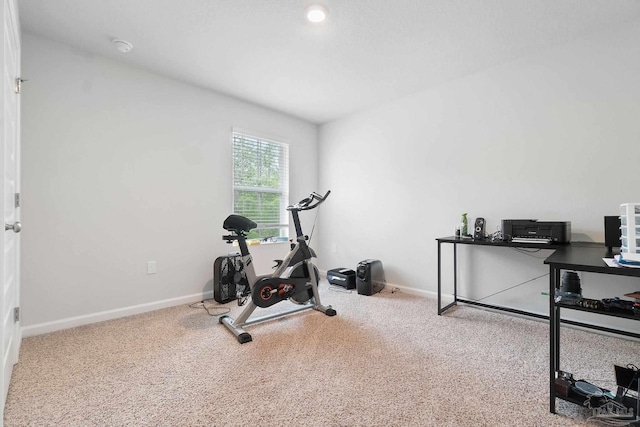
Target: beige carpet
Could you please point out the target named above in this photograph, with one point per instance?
(384, 360)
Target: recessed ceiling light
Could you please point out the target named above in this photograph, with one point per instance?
(316, 13)
(122, 46)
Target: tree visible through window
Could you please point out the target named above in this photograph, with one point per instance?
(261, 184)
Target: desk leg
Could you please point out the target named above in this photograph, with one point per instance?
(439, 279)
(552, 342)
(556, 285)
(553, 338)
(442, 309)
(455, 273)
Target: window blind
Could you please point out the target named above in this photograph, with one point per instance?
(261, 184)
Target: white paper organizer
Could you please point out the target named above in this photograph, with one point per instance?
(630, 231)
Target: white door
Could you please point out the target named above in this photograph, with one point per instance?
(9, 203)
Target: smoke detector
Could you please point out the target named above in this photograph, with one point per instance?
(122, 46)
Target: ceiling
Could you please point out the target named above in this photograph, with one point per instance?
(367, 52)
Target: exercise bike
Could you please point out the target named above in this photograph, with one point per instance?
(295, 278)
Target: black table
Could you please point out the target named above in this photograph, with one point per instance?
(455, 241)
(577, 258)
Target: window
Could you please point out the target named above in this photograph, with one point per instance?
(261, 184)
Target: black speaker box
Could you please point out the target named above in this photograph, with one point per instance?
(478, 229)
(612, 232)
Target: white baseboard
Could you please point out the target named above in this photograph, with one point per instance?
(71, 322)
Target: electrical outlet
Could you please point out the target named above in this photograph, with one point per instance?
(151, 267)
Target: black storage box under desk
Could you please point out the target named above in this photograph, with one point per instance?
(342, 277)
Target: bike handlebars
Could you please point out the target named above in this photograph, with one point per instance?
(306, 203)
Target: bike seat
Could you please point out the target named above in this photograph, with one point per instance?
(238, 224)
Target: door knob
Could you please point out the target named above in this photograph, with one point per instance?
(16, 227)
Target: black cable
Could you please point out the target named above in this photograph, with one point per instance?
(527, 251)
(522, 251)
(201, 304)
(635, 376)
(314, 226)
(507, 289)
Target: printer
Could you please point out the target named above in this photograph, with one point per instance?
(532, 230)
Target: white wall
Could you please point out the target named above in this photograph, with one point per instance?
(553, 136)
(121, 167)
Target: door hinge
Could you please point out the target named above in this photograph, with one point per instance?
(17, 200)
(16, 314)
(19, 84)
